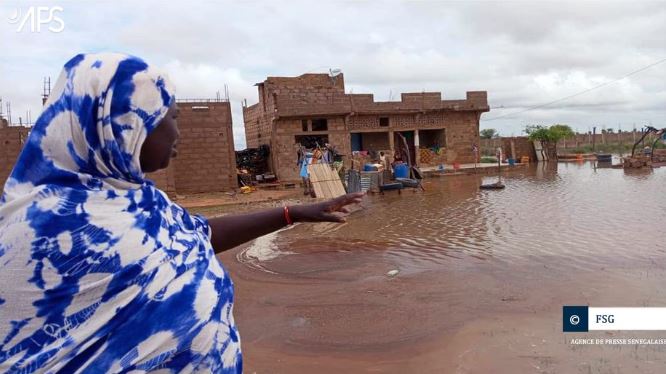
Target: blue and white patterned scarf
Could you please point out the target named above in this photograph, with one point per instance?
(99, 270)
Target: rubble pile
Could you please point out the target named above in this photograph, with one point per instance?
(253, 160)
(637, 162)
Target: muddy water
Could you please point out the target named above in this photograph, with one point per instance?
(481, 278)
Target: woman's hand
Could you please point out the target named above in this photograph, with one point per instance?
(333, 210)
(230, 231)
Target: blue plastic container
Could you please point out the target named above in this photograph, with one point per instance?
(369, 167)
(401, 171)
(512, 162)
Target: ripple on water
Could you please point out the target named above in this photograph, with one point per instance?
(572, 216)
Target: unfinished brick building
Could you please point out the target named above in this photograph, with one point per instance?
(206, 159)
(292, 110)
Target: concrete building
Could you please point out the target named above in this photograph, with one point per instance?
(314, 107)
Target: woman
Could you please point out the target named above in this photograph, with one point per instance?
(101, 272)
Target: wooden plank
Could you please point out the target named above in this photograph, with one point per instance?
(325, 181)
(314, 180)
(325, 172)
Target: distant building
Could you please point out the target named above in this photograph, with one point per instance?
(315, 108)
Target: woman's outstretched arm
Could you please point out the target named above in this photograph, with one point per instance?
(231, 231)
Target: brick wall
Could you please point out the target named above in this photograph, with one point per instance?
(206, 159)
(252, 117)
(165, 179)
(378, 141)
(11, 143)
(625, 137)
(522, 145)
(462, 131)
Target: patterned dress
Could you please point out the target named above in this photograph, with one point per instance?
(100, 271)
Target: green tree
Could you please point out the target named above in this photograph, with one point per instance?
(553, 133)
(488, 134)
(549, 136)
(560, 132)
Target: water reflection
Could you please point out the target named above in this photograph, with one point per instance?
(569, 213)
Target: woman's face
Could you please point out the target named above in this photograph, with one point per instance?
(160, 145)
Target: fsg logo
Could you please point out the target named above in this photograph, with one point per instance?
(38, 16)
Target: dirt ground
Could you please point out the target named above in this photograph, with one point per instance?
(220, 203)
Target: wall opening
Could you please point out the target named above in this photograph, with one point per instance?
(304, 125)
(311, 141)
(370, 141)
(432, 138)
(384, 121)
(320, 124)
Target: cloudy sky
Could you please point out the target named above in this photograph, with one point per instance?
(524, 54)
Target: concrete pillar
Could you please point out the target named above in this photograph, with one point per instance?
(417, 154)
(392, 143)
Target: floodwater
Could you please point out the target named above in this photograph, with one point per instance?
(459, 280)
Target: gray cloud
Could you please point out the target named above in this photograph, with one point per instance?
(523, 53)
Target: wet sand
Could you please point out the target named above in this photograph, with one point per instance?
(482, 278)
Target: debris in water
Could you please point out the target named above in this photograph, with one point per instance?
(393, 273)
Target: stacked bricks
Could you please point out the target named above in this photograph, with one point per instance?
(637, 162)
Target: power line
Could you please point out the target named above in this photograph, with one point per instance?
(579, 93)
